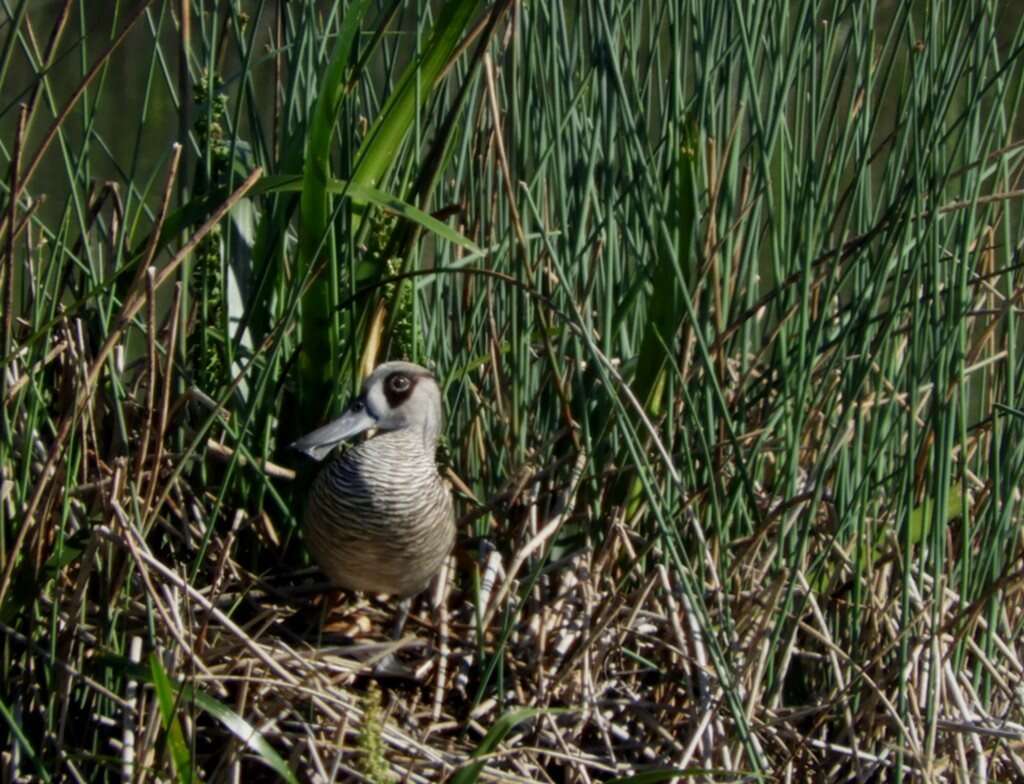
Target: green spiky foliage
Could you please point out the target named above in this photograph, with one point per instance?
(206, 342)
(372, 762)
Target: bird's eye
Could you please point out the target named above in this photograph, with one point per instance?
(399, 383)
(357, 405)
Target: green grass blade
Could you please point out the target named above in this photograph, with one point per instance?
(665, 307)
(380, 149)
(317, 360)
(376, 197)
(19, 738)
(499, 730)
(242, 730)
(167, 699)
(237, 725)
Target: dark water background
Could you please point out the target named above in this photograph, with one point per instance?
(132, 150)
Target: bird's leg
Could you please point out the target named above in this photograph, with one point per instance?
(390, 666)
(401, 616)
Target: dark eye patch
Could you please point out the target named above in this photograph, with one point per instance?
(397, 388)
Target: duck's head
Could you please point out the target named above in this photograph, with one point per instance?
(396, 396)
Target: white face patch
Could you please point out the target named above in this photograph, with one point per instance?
(376, 403)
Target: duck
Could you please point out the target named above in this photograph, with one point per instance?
(379, 518)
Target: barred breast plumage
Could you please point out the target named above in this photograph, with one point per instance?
(379, 518)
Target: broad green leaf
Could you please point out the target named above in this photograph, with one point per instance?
(244, 731)
(376, 197)
(921, 516)
(318, 356)
(380, 148)
(502, 727)
(920, 525)
(167, 699)
(665, 308)
(234, 723)
(375, 157)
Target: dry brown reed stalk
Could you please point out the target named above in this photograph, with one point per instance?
(133, 303)
(570, 650)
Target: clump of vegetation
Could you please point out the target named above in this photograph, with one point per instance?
(373, 764)
(207, 342)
